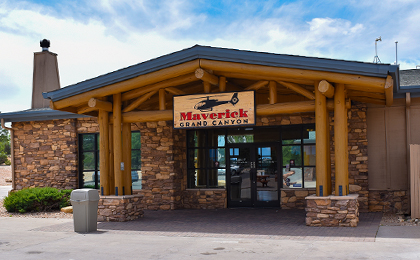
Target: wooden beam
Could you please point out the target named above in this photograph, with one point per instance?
(325, 88)
(147, 116)
(370, 89)
(222, 84)
(257, 85)
(389, 91)
(139, 101)
(111, 183)
(118, 151)
(341, 142)
(184, 79)
(207, 87)
(206, 77)
(323, 180)
(127, 85)
(304, 92)
(175, 91)
(369, 100)
(85, 109)
(100, 104)
(67, 109)
(268, 71)
(353, 93)
(126, 137)
(272, 88)
(162, 104)
(103, 120)
(228, 74)
(285, 108)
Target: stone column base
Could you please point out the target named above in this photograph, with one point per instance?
(332, 211)
(119, 208)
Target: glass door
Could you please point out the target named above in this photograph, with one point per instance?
(253, 176)
(267, 169)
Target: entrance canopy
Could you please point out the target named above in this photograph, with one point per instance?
(277, 79)
(283, 84)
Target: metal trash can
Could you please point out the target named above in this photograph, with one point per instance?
(85, 209)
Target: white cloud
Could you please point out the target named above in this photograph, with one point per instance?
(98, 37)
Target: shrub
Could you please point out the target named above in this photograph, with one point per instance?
(37, 199)
(8, 162)
(3, 157)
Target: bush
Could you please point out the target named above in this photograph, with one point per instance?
(37, 200)
(3, 157)
(8, 162)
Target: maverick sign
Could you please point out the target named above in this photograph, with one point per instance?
(214, 110)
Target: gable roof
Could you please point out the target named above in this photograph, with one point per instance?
(228, 55)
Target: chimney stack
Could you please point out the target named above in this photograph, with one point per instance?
(45, 77)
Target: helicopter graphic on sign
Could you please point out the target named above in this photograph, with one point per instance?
(208, 104)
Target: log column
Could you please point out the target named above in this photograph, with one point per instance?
(103, 119)
(126, 133)
(118, 157)
(341, 142)
(323, 178)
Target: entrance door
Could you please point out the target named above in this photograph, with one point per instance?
(252, 175)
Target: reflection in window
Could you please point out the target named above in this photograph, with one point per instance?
(89, 161)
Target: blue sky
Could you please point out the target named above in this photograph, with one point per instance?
(95, 37)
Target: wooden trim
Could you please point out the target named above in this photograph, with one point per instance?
(257, 85)
(272, 88)
(268, 71)
(325, 88)
(206, 77)
(100, 104)
(127, 85)
(162, 102)
(103, 120)
(118, 156)
(285, 108)
(139, 101)
(372, 89)
(111, 181)
(389, 91)
(304, 92)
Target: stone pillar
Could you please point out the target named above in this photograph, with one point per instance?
(332, 211)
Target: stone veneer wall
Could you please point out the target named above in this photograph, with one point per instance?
(389, 201)
(45, 154)
(119, 208)
(161, 177)
(205, 199)
(295, 198)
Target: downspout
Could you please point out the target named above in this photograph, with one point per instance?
(12, 151)
(408, 141)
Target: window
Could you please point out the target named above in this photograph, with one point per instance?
(298, 152)
(89, 174)
(206, 159)
(206, 153)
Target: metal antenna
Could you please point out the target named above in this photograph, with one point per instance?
(376, 58)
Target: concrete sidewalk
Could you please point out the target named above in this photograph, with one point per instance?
(4, 191)
(159, 237)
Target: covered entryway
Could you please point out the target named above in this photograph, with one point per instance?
(283, 85)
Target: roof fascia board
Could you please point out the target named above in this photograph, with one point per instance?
(38, 115)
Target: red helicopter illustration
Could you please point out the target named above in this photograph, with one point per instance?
(207, 104)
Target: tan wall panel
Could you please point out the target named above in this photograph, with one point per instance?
(376, 148)
(387, 147)
(415, 124)
(397, 148)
